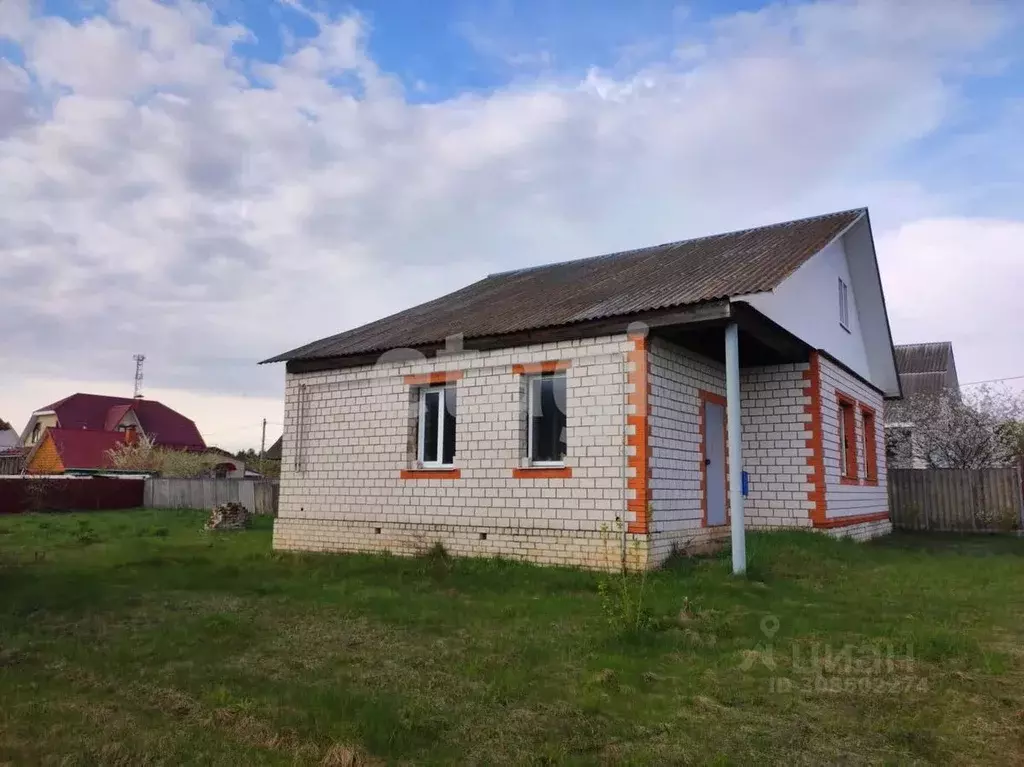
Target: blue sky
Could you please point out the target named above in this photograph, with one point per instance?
(212, 182)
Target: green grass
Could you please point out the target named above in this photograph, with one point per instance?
(136, 638)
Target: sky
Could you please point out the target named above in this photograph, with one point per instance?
(213, 183)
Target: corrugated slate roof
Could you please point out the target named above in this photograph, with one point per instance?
(659, 277)
(922, 383)
(923, 358)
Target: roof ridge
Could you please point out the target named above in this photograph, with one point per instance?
(674, 243)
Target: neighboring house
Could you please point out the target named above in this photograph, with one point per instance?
(68, 450)
(274, 451)
(9, 438)
(166, 427)
(536, 412)
(925, 370)
(11, 451)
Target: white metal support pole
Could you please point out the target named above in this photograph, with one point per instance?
(732, 391)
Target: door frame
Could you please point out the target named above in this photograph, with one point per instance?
(705, 397)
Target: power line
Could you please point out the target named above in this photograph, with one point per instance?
(993, 380)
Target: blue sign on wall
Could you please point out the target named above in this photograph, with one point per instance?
(746, 483)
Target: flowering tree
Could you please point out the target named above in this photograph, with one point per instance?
(143, 456)
(970, 430)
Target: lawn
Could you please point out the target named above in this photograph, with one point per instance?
(136, 638)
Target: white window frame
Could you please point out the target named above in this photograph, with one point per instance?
(425, 391)
(844, 305)
(529, 418)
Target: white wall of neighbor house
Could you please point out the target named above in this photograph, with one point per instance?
(860, 498)
(807, 305)
(350, 433)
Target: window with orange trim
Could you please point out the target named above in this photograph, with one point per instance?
(847, 439)
(870, 446)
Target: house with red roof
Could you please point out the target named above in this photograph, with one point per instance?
(78, 431)
(69, 450)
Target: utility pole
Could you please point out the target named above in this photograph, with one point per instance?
(263, 446)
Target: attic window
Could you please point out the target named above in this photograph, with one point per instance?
(844, 305)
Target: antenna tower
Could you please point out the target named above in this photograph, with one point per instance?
(139, 359)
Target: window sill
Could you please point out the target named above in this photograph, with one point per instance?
(431, 473)
(849, 481)
(871, 482)
(543, 472)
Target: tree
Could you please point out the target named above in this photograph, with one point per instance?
(143, 456)
(950, 430)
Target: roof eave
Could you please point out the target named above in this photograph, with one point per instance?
(705, 312)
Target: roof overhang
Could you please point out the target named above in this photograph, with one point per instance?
(705, 313)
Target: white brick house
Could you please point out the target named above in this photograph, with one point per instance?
(567, 413)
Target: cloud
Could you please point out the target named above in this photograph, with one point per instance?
(162, 194)
(959, 280)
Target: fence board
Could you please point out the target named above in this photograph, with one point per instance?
(259, 496)
(956, 500)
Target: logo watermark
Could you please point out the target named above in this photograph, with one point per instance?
(878, 667)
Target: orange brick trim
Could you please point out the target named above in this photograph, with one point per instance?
(433, 379)
(535, 368)
(848, 452)
(639, 440)
(847, 521)
(718, 399)
(431, 473)
(868, 415)
(540, 472)
(816, 460)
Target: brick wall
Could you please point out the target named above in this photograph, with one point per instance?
(775, 426)
(859, 498)
(776, 430)
(862, 531)
(349, 446)
(348, 438)
(46, 459)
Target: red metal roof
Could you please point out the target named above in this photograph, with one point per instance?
(101, 413)
(85, 448)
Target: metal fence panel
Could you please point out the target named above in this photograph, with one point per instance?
(956, 500)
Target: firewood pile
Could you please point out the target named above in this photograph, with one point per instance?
(229, 516)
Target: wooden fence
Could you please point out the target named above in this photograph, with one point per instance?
(956, 500)
(258, 496)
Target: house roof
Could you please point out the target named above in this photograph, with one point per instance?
(85, 448)
(925, 368)
(659, 277)
(923, 358)
(274, 451)
(98, 412)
